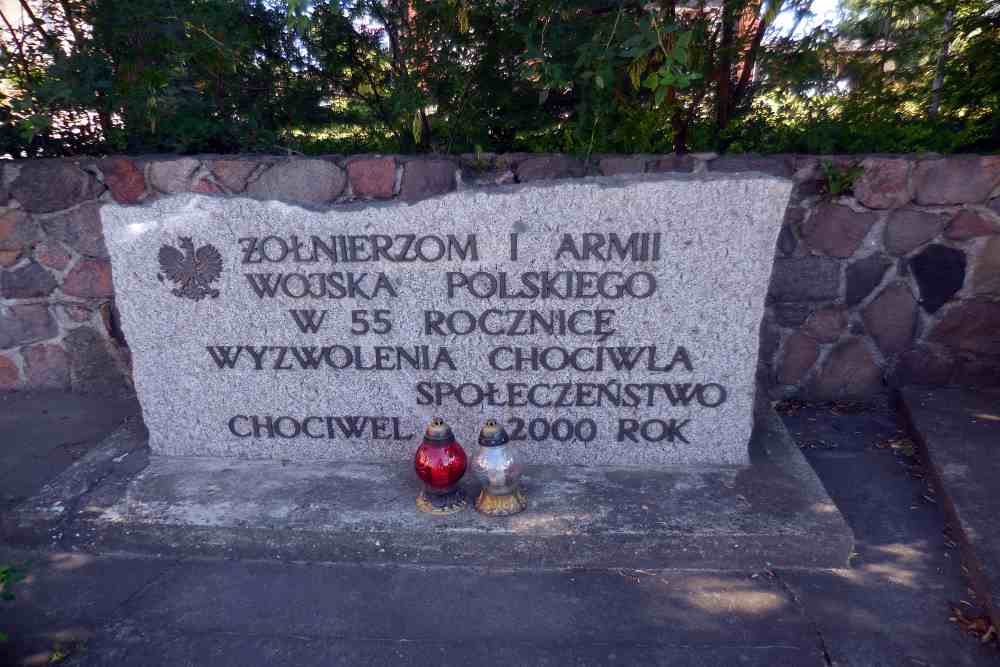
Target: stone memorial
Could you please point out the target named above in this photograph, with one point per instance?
(604, 321)
(288, 360)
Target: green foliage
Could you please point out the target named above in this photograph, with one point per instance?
(160, 75)
(61, 652)
(322, 76)
(846, 126)
(839, 180)
(615, 74)
(9, 575)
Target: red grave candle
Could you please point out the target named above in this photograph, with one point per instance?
(440, 463)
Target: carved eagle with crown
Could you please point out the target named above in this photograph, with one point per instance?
(192, 270)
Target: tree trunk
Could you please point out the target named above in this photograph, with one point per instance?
(680, 125)
(723, 98)
(932, 110)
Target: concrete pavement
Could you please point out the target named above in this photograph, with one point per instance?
(890, 607)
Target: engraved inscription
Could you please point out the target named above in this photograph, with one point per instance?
(446, 329)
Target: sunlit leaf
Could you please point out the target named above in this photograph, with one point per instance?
(635, 74)
(418, 126)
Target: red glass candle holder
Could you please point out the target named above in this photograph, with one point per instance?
(440, 463)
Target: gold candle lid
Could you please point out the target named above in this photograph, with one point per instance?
(493, 434)
(439, 430)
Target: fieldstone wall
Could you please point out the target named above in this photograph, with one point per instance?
(895, 282)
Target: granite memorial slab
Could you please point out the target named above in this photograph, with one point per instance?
(604, 321)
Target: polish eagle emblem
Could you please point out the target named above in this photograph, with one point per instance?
(192, 270)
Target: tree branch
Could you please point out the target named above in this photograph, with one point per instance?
(77, 35)
(935, 105)
(749, 62)
(17, 43)
(39, 26)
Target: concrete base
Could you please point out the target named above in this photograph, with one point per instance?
(774, 513)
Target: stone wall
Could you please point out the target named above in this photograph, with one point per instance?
(895, 283)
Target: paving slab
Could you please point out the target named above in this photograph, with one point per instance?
(241, 612)
(892, 605)
(892, 613)
(42, 433)
(426, 604)
(774, 512)
(65, 597)
(224, 650)
(958, 431)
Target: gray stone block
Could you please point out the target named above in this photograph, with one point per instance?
(172, 176)
(864, 275)
(233, 174)
(777, 165)
(427, 178)
(47, 366)
(673, 163)
(25, 323)
(93, 368)
(836, 231)
(17, 230)
(805, 279)
(80, 229)
(850, 373)
(986, 278)
(799, 355)
(891, 318)
(50, 185)
(826, 325)
(618, 165)
(451, 333)
(300, 181)
(972, 327)
(940, 274)
(884, 183)
(957, 180)
(26, 282)
(909, 228)
(792, 314)
(549, 167)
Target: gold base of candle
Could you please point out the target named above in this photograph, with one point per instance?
(442, 504)
(505, 505)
